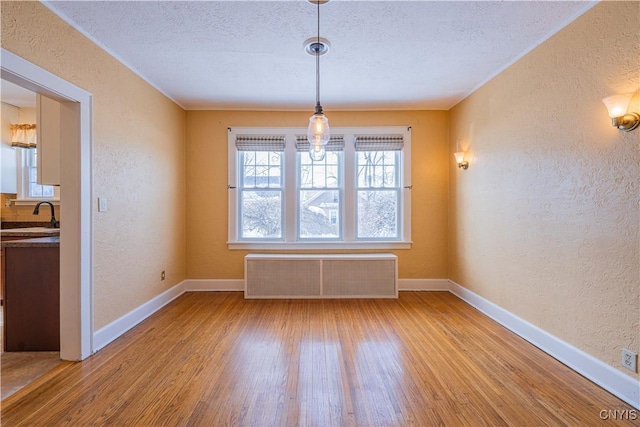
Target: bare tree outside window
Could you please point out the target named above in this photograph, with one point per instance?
(378, 194)
(319, 196)
(261, 194)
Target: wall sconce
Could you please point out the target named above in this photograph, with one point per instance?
(617, 106)
(462, 163)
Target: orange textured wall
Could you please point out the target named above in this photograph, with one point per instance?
(207, 254)
(138, 161)
(545, 220)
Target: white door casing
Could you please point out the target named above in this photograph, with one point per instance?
(76, 266)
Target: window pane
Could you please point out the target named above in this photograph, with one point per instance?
(47, 191)
(261, 214)
(377, 169)
(32, 157)
(320, 174)
(261, 169)
(319, 197)
(332, 176)
(319, 214)
(377, 214)
(35, 190)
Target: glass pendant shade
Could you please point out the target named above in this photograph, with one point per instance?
(318, 134)
(317, 153)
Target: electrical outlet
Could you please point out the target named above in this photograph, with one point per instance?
(629, 360)
(163, 275)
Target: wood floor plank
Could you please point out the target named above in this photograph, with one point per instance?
(210, 359)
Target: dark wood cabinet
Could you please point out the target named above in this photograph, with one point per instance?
(5, 239)
(32, 298)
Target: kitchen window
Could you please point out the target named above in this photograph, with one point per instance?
(27, 183)
(358, 196)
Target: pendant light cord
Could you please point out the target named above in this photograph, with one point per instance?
(318, 106)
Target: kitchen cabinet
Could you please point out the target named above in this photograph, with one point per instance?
(20, 234)
(4, 239)
(32, 294)
(48, 129)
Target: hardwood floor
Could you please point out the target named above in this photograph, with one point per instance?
(216, 359)
(23, 367)
(17, 369)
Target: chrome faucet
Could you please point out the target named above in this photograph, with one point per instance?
(54, 223)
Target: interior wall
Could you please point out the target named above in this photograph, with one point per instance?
(545, 220)
(138, 161)
(207, 208)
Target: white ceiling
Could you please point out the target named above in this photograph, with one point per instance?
(384, 54)
(17, 96)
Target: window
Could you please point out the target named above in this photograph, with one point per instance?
(358, 196)
(260, 162)
(319, 193)
(378, 195)
(28, 187)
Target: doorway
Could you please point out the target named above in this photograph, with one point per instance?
(19, 105)
(76, 328)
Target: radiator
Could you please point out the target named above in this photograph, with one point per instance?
(320, 276)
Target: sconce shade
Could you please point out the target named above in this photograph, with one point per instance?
(617, 104)
(462, 163)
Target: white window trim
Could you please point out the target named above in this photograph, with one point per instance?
(290, 176)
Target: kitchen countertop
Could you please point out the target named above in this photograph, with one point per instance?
(39, 242)
(30, 232)
(23, 224)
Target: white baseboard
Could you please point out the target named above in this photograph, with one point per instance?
(195, 285)
(606, 376)
(423, 284)
(115, 329)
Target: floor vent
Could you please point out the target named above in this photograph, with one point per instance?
(320, 276)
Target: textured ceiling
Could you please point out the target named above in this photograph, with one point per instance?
(384, 54)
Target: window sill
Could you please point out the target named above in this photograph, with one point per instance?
(308, 246)
(33, 202)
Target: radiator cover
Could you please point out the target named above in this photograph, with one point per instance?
(321, 276)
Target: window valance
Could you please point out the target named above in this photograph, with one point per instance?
(23, 135)
(379, 142)
(260, 142)
(336, 143)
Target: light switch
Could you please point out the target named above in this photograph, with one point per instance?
(102, 204)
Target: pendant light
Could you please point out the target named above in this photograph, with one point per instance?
(318, 132)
